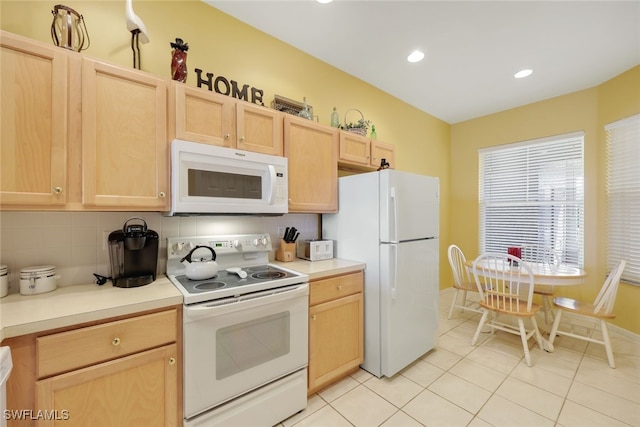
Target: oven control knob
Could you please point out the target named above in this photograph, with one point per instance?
(189, 246)
(178, 247)
(236, 244)
(261, 241)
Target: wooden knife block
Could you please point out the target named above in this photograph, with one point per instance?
(286, 252)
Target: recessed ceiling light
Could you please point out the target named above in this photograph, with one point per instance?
(324, 1)
(415, 56)
(523, 73)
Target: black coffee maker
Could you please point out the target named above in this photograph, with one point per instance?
(133, 252)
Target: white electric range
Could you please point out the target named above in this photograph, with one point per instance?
(245, 333)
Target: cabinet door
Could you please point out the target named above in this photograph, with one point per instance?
(34, 110)
(124, 138)
(355, 149)
(379, 151)
(312, 150)
(259, 129)
(138, 390)
(336, 340)
(199, 115)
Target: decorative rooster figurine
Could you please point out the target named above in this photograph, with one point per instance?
(138, 32)
(179, 60)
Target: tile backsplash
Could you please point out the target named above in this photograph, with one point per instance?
(75, 242)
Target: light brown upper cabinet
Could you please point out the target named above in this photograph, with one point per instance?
(381, 150)
(312, 150)
(124, 138)
(78, 133)
(34, 129)
(200, 115)
(362, 153)
(259, 129)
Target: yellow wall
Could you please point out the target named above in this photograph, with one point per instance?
(587, 111)
(224, 46)
(617, 98)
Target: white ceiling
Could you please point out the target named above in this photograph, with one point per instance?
(472, 48)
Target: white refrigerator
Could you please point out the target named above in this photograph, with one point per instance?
(390, 220)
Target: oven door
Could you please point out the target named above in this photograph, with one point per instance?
(235, 346)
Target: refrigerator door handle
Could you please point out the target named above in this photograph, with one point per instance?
(394, 274)
(393, 235)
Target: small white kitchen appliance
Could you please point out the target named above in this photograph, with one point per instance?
(38, 279)
(314, 250)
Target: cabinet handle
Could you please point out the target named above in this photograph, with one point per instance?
(313, 317)
(57, 190)
(116, 341)
(172, 361)
(227, 136)
(242, 139)
(339, 287)
(162, 195)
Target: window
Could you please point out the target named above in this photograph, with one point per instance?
(623, 196)
(532, 193)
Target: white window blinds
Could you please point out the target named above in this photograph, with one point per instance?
(532, 193)
(623, 196)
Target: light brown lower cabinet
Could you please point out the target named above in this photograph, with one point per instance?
(124, 371)
(137, 390)
(336, 329)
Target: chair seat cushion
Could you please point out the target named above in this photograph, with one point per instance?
(579, 307)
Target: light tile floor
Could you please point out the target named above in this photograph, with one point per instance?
(457, 384)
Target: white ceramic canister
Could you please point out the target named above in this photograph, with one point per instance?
(38, 279)
(4, 281)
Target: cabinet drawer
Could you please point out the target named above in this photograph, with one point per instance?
(74, 349)
(335, 287)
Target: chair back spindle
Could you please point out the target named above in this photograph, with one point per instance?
(504, 282)
(606, 298)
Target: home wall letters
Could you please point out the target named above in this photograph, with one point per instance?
(229, 87)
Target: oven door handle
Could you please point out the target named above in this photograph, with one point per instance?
(218, 308)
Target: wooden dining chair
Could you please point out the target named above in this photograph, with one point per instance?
(462, 282)
(542, 256)
(600, 310)
(506, 287)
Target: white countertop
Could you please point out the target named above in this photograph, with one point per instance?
(320, 269)
(71, 305)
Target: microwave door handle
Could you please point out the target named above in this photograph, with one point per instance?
(272, 174)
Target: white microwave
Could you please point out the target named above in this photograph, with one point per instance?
(207, 179)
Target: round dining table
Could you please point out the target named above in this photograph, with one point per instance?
(551, 275)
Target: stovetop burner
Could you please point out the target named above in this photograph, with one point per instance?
(269, 275)
(242, 253)
(209, 286)
(225, 284)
